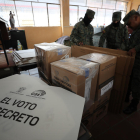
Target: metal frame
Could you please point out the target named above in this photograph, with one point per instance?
(16, 13)
(48, 14)
(33, 13)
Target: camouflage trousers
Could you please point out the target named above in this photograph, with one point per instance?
(135, 83)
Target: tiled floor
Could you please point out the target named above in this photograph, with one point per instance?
(118, 127)
(112, 126)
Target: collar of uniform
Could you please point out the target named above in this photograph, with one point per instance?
(84, 24)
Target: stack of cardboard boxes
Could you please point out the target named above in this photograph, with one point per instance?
(47, 53)
(99, 75)
(90, 76)
(123, 71)
(104, 86)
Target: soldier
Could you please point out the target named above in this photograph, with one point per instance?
(82, 33)
(132, 20)
(115, 34)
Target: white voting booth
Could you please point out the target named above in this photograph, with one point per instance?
(32, 110)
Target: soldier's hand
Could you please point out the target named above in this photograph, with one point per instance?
(132, 52)
(80, 43)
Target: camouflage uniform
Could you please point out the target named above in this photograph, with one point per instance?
(116, 37)
(81, 32)
(134, 42)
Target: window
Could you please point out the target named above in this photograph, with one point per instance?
(2, 9)
(82, 11)
(101, 17)
(123, 15)
(108, 17)
(78, 2)
(10, 6)
(50, 1)
(94, 3)
(121, 5)
(94, 21)
(73, 15)
(40, 14)
(30, 0)
(54, 15)
(24, 12)
(109, 4)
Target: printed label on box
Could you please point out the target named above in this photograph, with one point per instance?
(106, 88)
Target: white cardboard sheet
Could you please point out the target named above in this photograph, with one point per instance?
(32, 110)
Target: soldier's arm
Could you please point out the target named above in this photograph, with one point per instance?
(135, 49)
(126, 38)
(74, 34)
(103, 37)
(137, 41)
(91, 36)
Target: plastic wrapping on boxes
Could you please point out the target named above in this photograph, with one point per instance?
(106, 71)
(50, 52)
(78, 66)
(97, 57)
(76, 73)
(123, 71)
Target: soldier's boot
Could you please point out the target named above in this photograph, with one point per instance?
(127, 98)
(132, 107)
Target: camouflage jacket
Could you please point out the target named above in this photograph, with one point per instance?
(134, 42)
(116, 37)
(82, 33)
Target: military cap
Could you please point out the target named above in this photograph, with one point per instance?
(116, 16)
(127, 17)
(90, 13)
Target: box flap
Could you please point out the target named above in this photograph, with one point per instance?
(98, 57)
(78, 66)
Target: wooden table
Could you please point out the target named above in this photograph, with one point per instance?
(3, 63)
(7, 70)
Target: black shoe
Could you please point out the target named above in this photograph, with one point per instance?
(129, 110)
(132, 107)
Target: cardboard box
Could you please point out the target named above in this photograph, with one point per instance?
(88, 122)
(106, 71)
(116, 103)
(124, 63)
(95, 111)
(101, 107)
(130, 59)
(100, 113)
(88, 109)
(76, 75)
(123, 71)
(50, 52)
